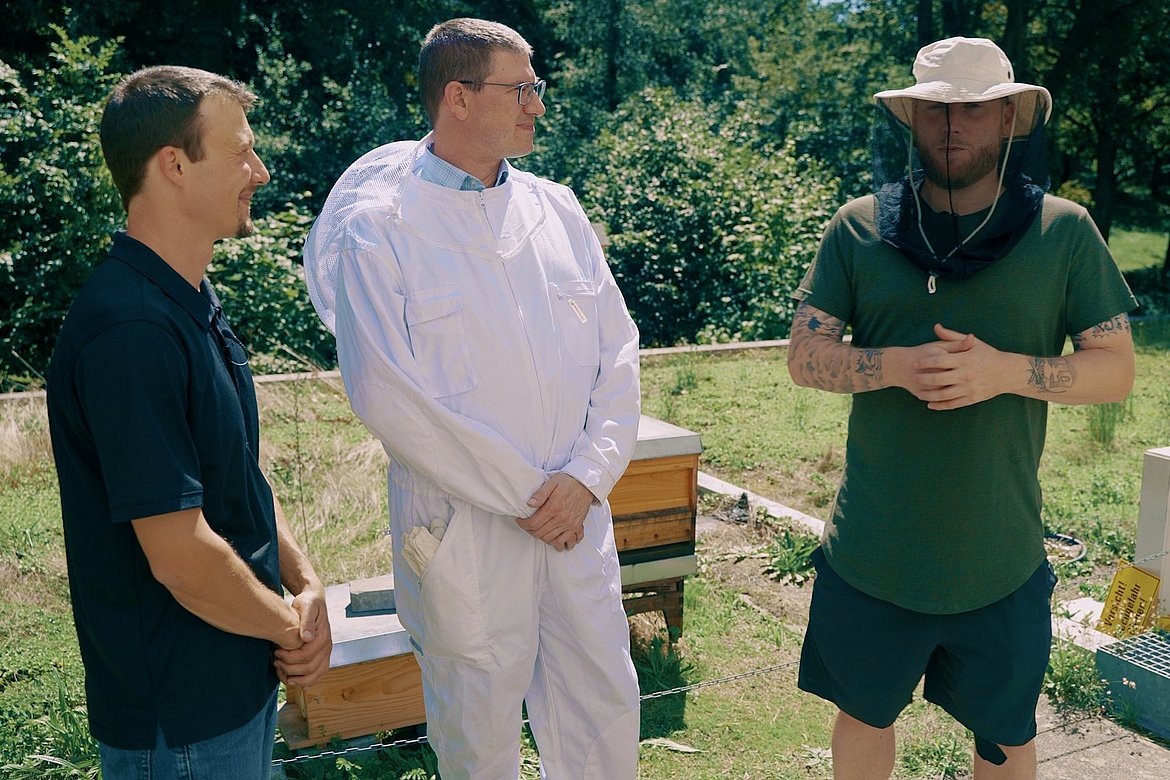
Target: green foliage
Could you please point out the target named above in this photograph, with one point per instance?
(660, 667)
(1072, 682)
(617, 48)
(1076, 192)
(311, 126)
(814, 72)
(1104, 420)
(789, 557)
(260, 281)
(57, 203)
(939, 756)
(65, 748)
(712, 225)
(416, 762)
(685, 379)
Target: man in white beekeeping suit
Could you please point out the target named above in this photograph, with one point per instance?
(483, 340)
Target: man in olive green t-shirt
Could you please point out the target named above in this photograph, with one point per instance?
(960, 280)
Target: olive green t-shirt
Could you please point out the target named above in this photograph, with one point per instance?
(939, 511)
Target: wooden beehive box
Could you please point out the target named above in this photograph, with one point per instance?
(655, 501)
(374, 684)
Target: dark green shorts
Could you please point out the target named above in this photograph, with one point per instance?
(985, 667)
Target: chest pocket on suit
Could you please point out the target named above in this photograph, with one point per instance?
(438, 339)
(575, 309)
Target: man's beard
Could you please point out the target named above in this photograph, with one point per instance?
(957, 176)
(245, 228)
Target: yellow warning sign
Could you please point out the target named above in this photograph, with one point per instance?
(1131, 605)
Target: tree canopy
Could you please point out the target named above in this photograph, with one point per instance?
(738, 122)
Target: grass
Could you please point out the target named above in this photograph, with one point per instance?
(70, 751)
(755, 727)
(1135, 248)
(758, 431)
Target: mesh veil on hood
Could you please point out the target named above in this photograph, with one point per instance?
(374, 181)
(959, 70)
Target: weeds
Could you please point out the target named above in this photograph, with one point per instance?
(413, 762)
(66, 748)
(410, 763)
(24, 434)
(686, 378)
(946, 756)
(1072, 682)
(789, 557)
(661, 668)
(1104, 419)
(1098, 591)
(802, 405)
(1115, 543)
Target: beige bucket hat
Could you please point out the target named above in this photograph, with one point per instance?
(967, 70)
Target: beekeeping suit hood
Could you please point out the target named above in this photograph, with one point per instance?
(378, 182)
(954, 71)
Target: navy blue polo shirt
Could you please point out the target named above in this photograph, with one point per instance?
(152, 410)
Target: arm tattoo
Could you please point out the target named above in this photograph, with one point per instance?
(1051, 375)
(1119, 324)
(814, 321)
(823, 361)
(869, 363)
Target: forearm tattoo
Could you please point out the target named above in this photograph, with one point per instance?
(825, 362)
(869, 362)
(1119, 324)
(1051, 375)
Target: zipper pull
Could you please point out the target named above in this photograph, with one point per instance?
(931, 287)
(577, 310)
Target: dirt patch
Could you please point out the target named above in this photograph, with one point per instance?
(733, 551)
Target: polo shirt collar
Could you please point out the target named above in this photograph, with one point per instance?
(201, 304)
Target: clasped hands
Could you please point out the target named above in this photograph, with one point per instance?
(305, 664)
(561, 504)
(957, 370)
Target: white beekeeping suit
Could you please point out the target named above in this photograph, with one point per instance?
(483, 340)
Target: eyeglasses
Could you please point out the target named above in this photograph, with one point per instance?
(524, 92)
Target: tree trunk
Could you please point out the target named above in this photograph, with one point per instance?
(1105, 193)
(1166, 261)
(925, 22)
(612, 47)
(1099, 24)
(1106, 111)
(958, 16)
(1159, 177)
(1013, 38)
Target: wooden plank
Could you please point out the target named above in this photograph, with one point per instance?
(359, 699)
(651, 529)
(658, 483)
(674, 583)
(292, 726)
(656, 602)
(665, 596)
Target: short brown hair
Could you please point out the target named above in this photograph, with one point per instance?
(461, 49)
(157, 107)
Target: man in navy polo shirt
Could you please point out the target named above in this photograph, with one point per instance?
(176, 546)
